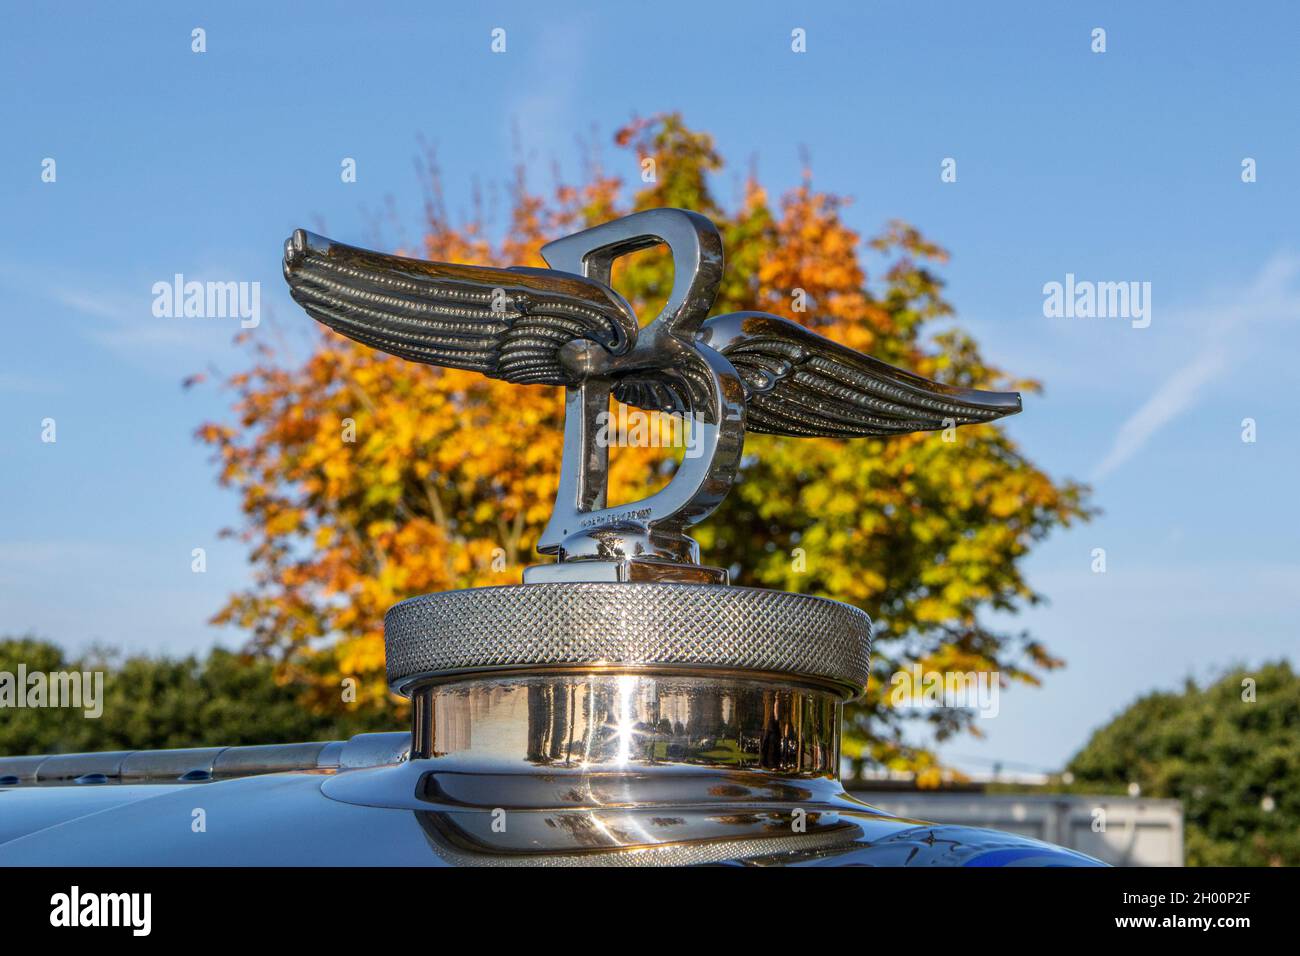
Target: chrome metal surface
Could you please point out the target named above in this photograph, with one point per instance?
(602, 768)
(67, 768)
(202, 764)
(664, 369)
(802, 384)
(271, 758)
(664, 627)
(600, 725)
(374, 750)
(506, 323)
(192, 765)
(566, 326)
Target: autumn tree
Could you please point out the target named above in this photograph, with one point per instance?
(365, 480)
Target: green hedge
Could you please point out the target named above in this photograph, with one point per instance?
(158, 702)
(1233, 761)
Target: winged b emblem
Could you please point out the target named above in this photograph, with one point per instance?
(567, 326)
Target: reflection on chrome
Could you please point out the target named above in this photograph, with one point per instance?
(625, 728)
(619, 721)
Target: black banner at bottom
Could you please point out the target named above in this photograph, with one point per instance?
(309, 904)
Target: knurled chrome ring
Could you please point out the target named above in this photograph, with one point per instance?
(656, 625)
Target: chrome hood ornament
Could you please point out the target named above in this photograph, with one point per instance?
(566, 326)
(625, 704)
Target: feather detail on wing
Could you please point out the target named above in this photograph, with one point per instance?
(801, 383)
(506, 323)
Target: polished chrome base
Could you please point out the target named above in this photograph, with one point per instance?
(622, 768)
(598, 723)
(622, 552)
(621, 722)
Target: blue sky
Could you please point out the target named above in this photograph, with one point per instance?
(1121, 166)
